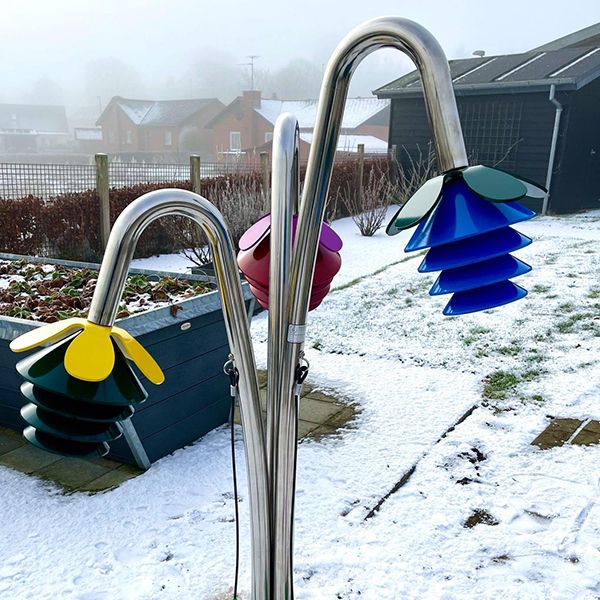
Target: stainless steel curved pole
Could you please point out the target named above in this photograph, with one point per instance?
(429, 58)
(282, 408)
(109, 289)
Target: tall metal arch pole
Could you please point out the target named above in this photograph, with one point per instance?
(109, 289)
(282, 407)
(428, 56)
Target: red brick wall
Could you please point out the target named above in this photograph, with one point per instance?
(242, 118)
(152, 139)
(115, 126)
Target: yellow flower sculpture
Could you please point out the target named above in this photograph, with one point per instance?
(91, 354)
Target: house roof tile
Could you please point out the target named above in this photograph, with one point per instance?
(568, 68)
(356, 111)
(160, 113)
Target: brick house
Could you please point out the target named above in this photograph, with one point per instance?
(33, 128)
(246, 125)
(158, 126)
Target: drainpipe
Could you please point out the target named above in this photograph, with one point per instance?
(559, 109)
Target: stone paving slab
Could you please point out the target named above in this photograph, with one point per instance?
(589, 435)
(321, 415)
(71, 474)
(562, 432)
(557, 433)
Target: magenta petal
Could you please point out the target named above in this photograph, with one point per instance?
(329, 238)
(255, 233)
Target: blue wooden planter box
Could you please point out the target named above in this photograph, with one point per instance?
(191, 347)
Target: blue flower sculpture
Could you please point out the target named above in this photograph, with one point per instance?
(464, 217)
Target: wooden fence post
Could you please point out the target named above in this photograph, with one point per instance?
(195, 176)
(102, 185)
(361, 172)
(264, 167)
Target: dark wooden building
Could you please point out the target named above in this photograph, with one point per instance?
(510, 107)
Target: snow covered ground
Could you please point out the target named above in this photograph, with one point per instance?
(383, 344)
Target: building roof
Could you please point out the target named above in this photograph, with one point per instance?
(567, 68)
(356, 112)
(586, 37)
(32, 118)
(158, 113)
(350, 143)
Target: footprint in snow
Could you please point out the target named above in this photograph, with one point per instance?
(130, 555)
(94, 596)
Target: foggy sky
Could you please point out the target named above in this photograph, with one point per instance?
(46, 45)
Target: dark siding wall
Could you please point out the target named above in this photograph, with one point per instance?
(576, 177)
(512, 131)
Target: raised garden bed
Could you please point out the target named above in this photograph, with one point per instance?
(179, 322)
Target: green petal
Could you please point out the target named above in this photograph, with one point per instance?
(534, 189)
(418, 206)
(493, 184)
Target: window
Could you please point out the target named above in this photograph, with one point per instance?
(235, 141)
(129, 137)
(168, 138)
(268, 136)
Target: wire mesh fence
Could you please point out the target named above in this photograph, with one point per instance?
(44, 181)
(57, 210)
(50, 180)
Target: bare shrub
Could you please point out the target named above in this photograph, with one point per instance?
(241, 201)
(367, 202)
(417, 170)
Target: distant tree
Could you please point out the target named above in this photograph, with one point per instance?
(194, 141)
(300, 79)
(215, 75)
(109, 76)
(46, 91)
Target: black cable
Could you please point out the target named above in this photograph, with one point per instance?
(297, 400)
(235, 499)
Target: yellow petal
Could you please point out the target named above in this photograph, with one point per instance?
(91, 355)
(135, 352)
(53, 332)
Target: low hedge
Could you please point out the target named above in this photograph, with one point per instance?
(67, 226)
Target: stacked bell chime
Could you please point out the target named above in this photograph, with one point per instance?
(254, 256)
(69, 416)
(464, 217)
(81, 388)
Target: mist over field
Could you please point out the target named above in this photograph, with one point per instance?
(80, 54)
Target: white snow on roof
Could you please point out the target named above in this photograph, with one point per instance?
(349, 143)
(356, 112)
(136, 109)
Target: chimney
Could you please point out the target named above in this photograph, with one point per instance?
(250, 99)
